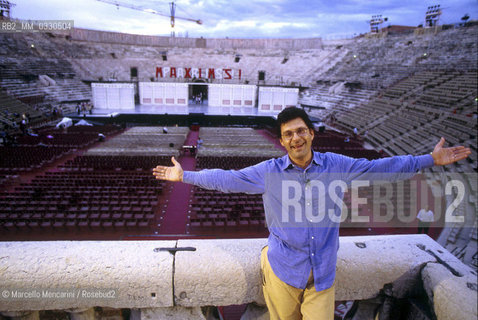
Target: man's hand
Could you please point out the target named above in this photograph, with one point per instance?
(443, 156)
(169, 173)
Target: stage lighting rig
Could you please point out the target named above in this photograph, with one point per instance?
(432, 16)
(376, 23)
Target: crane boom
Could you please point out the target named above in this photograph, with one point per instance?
(172, 15)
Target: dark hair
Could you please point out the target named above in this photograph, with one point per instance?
(292, 113)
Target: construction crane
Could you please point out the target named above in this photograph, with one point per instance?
(172, 7)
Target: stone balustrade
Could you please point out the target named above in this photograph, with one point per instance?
(174, 279)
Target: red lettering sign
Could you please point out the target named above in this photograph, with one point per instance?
(188, 73)
(159, 71)
(210, 74)
(228, 74)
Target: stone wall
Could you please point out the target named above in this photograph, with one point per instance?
(161, 41)
(177, 278)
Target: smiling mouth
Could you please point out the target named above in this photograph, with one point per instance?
(298, 146)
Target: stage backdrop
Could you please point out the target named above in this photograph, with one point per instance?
(113, 96)
(231, 95)
(163, 93)
(275, 99)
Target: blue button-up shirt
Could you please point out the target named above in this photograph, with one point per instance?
(303, 206)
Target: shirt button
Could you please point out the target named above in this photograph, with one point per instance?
(312, 238)
(312, 254)
(308, 203)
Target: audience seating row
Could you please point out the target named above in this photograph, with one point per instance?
(144, 141)
(110, 162)
(26, 158)
(231, 142)
(86, 193)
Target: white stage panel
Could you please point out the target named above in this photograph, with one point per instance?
(146, 94)
(99, 97)
(162, 93)
(249, 95)
(126, 97)
(276, 99)
(214, 95)
(265, 100)
(231, 95)
(113, 95)
(291, 97)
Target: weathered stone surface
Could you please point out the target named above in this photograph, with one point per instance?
(219, 272)
(365, 264)
(222, 272)
(131, 272)
(453, 297)
(172, 313)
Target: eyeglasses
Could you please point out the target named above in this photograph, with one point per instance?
(301, 132)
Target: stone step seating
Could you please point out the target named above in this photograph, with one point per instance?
(9, 106)
(319, 95)
(412, 121)
(19, 89)
(407, 85)
(372, 57)
(68, 90)
(64, 90)
(474, 232)
(454, 233)
(461, 125)
(52, 66)
(376, 109)
(451, 90)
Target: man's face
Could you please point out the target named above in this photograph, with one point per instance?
(297, 138)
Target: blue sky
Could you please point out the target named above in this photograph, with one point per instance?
(244, 19)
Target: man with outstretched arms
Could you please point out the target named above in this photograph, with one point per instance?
(302, 194)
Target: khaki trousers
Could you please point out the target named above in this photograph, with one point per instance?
(287, 302)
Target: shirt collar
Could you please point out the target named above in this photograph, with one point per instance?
(317, 159)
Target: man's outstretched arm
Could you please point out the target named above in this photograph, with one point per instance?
(174, 173)
(400, 167)
(248, 180)
(443, 156)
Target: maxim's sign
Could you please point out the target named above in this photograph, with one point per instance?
(198, 73)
